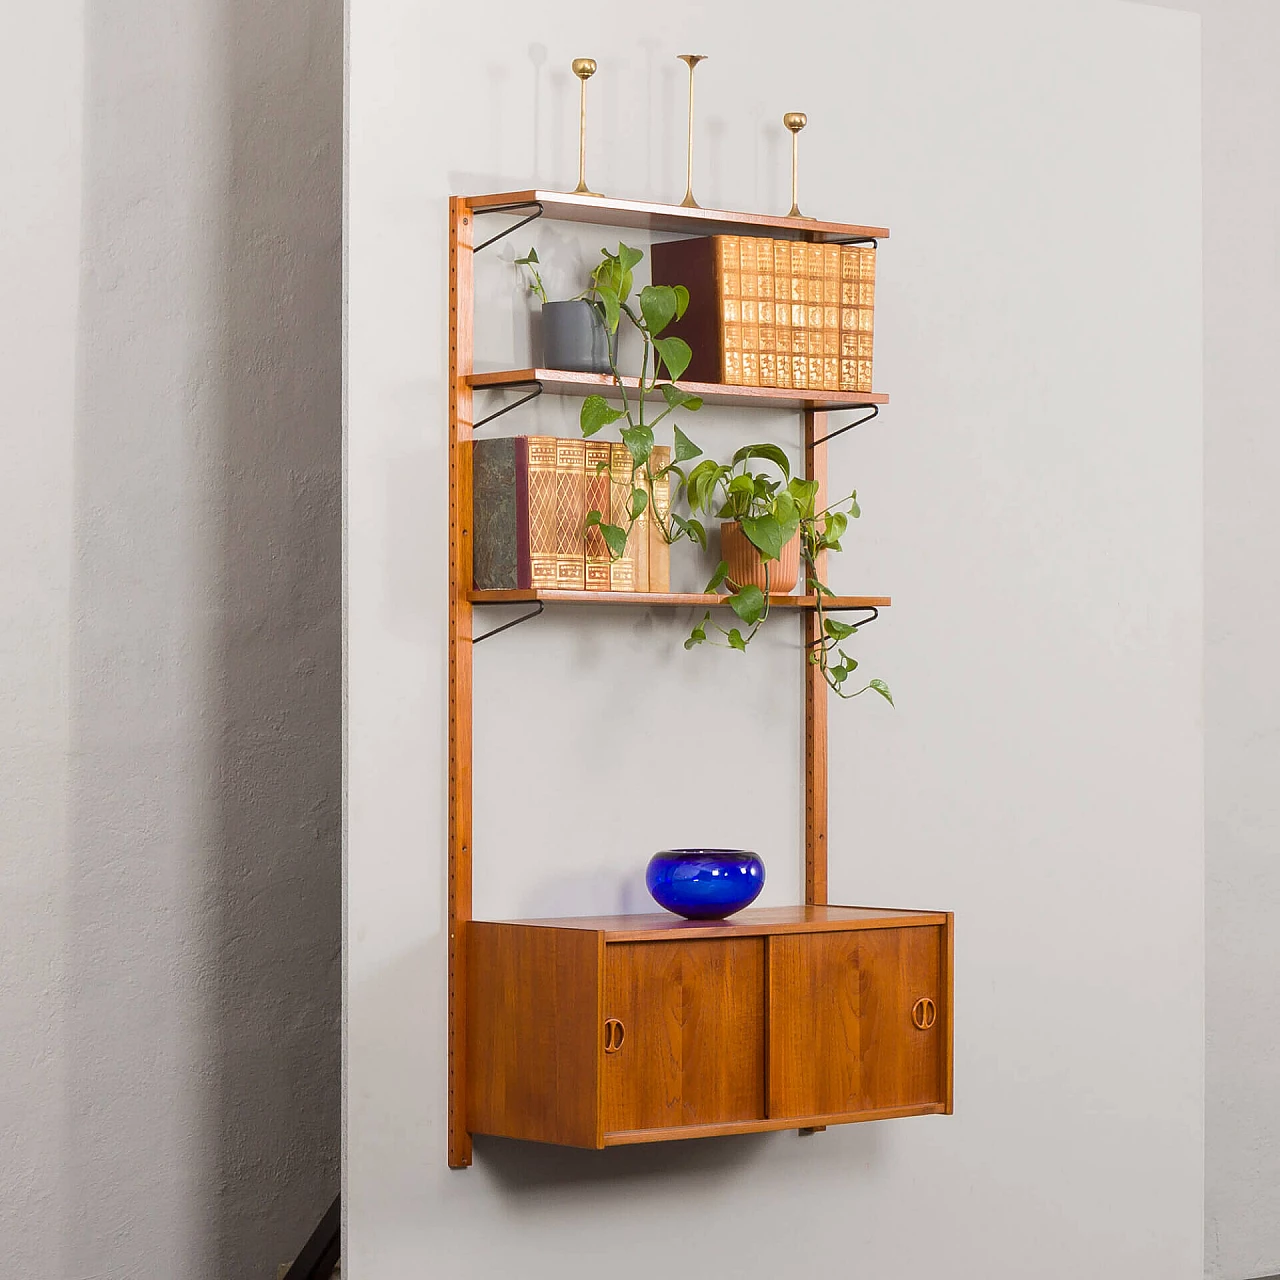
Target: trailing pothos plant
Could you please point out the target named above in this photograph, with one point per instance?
(664, 359)
(771, 511)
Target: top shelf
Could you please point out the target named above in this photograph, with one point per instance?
(565, 207)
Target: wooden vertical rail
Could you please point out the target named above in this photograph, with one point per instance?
(461, 299)
(815, 695)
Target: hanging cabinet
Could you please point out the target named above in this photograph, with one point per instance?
(605, 1031)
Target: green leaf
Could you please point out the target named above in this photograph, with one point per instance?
(675, 355)
(682, 299)
(769, 453)
(821, 588)
(530, 257)
(736, 641)
(748, 603)
(615, 539)
(834, 526)
(702, 484)
(699, 633)
(639, 501)
(721, 573)
(658, 306)
(629, 257)
(675, 396)
(854, 510)
(639, 440)
(609, 302)
(697, 531)
(765, 534)
(804, 493)
(685, 448)
(594, 518)
(883, 690)
(838, 630)
(596, 413)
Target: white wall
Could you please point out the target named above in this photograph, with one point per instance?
(170, 906)
(1242, 628)
(1032, 501)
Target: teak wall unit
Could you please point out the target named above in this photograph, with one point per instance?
(604, 1031)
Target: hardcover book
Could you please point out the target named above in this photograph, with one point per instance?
(622, 572)
(513, 506)
(597, 558)
(659, 548)
(571, 514)
(639, 537)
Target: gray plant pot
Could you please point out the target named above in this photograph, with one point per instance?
(574, 337)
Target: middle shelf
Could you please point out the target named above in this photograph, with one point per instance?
(674, 599)
(567, 383)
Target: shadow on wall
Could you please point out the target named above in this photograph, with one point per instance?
(202, 1128)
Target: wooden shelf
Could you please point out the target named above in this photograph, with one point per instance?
(660, 926)
(659, 599)
(565, 207)
(564, 382)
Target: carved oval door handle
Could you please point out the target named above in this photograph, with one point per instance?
(614, 1033)
(924, 1013)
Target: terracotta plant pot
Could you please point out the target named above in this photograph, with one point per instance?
(746, 567)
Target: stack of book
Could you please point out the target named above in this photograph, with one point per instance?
(530, 500)
(774, 313)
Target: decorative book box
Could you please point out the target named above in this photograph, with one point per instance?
(774, 313)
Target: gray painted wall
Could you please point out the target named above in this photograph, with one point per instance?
(171, 897)
(1241, 40)
(1032, 501)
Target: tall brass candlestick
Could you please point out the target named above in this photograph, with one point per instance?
(584, 69)
(691, 60)
(795, 121)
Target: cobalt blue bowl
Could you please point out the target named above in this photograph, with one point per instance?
(705, 884)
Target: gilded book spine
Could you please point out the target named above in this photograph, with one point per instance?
(831, 317)
(782, 310)
(598, 461)
(768, 320)
(659, 548)
(571, 514)
(850, 270)
(639, 537)
(729, 292)
(542, 511)
(799, 316)
(813, 256)
(622, 572)
(748, 283)
(866, 313)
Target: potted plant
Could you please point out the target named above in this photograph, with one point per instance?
(663, 360)
(573, 334)
(771, 525)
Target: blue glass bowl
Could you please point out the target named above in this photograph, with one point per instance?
(705, 884)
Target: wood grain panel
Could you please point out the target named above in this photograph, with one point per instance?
(693, 1049)
(815, 694)
(661, 926)
(813, 1012)
(901, 1064)
(534, 1047)
(661, 599)
(461, 289)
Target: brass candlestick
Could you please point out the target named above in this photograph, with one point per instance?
(795, 121)
(584, 69)
(691, 60)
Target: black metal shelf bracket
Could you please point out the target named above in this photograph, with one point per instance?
(535, 205)
(506, 626)
(857, 422)
(515, 404)
(849, 608)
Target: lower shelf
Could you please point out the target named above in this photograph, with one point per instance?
(611, 1031)
(668, 598)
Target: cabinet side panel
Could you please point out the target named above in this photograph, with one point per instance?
(814, 1024)
(693, 1033)
(902, 1062)
(533, 1031)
